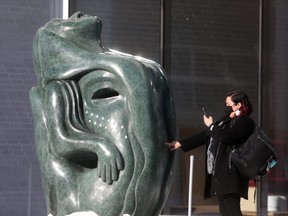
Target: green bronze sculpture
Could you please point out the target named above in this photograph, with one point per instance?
(101, 120)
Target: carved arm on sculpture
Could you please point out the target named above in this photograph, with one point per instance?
(72, 139)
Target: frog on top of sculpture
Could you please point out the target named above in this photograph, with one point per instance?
(101, 120)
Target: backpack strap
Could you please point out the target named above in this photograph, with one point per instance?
(256, 180)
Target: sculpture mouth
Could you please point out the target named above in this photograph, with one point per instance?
(79, 15)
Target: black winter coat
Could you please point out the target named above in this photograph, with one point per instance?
(225, 179)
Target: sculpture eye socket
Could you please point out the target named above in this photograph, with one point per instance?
(105, 93)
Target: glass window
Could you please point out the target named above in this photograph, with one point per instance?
(275, 103)
(214, 50)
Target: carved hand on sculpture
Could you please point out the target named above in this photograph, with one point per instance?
(71, 136)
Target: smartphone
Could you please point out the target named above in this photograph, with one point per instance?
(204, 113)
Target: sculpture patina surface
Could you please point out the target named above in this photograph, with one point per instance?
(101, 121)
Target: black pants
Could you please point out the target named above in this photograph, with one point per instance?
(229, 205)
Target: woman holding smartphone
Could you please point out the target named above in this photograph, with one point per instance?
(233, 129)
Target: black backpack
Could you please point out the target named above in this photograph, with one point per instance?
(255, 156)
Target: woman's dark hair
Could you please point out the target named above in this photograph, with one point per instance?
(238, 96)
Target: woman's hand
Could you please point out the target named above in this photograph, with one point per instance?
(173, 145)
(207, 120)
(232, 114)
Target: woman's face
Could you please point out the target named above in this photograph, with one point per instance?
(234, 106)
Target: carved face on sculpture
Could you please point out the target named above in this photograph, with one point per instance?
(101, 121)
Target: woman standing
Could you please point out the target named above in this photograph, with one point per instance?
(222, 177)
